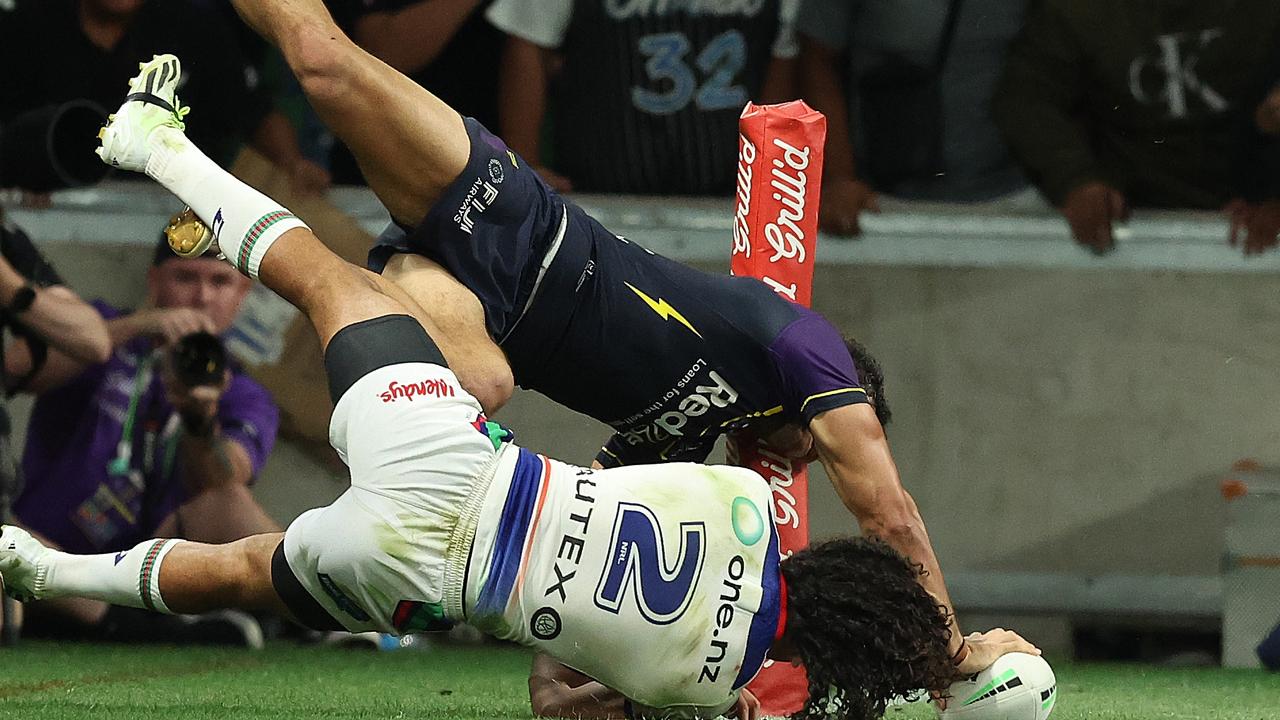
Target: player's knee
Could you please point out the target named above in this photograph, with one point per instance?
(219, 499)
(248, 582)
(492, 384)
(320, 63)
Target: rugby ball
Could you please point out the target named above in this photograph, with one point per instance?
(1017, 686)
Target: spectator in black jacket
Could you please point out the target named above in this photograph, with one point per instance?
(1149, 104)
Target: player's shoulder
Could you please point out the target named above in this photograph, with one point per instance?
(749, 304)
(805, 327)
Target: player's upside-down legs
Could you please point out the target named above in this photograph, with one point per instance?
(411, 146)
(196, 577)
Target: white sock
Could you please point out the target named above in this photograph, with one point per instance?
(130, 578)
(244, 221)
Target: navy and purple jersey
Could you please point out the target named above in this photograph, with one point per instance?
(671, 357)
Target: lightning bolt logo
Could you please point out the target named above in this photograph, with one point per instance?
(664, 310)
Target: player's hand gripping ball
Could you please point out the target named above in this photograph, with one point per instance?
(1017, 686)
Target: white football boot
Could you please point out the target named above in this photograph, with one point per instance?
(152, 104)
(23, 564)
(150, 116)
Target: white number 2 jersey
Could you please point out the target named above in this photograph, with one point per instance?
(659, 581)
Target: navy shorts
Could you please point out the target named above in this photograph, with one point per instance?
(490, 229)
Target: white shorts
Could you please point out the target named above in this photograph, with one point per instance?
(376, 558)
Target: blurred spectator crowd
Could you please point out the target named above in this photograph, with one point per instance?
(1097, 107)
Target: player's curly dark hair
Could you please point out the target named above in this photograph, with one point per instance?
(871, 377)
(864, 628)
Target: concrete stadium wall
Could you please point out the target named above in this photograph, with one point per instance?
(1054, 412)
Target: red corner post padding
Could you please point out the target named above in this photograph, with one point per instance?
(775, 232)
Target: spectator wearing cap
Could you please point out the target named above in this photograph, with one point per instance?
(1129, 103)
(133, 447)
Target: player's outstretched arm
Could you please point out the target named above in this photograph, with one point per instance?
(163, 575)
(559, 691)
(853, 449)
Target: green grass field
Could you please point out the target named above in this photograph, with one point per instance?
(68, 682)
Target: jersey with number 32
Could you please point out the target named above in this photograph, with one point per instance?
(658, 581)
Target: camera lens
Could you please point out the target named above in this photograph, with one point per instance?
(199, 359)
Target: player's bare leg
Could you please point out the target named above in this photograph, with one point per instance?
(409, 143)
(262, 240)
(456, 321)
(410, 146)
(164, 575)
(196, 578)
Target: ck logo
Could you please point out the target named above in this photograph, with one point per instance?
(1170, 76)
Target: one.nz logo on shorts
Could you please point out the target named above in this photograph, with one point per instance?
(545, 624)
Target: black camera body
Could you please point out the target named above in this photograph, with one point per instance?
(199, 359)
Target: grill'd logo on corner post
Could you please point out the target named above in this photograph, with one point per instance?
(746, 166)
(779, 181)
(784, 234)
(780, 474)
(423, 388)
